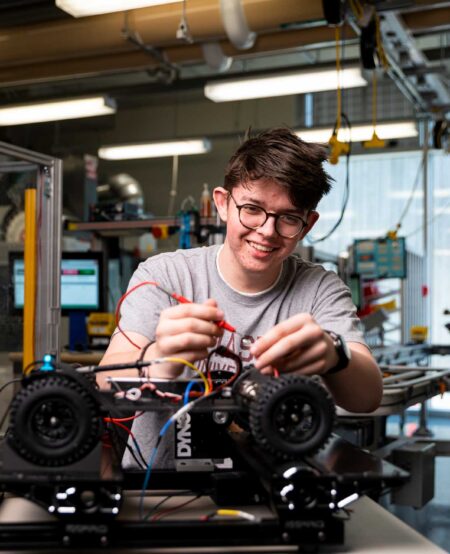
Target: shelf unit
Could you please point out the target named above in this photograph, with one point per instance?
(117, 228)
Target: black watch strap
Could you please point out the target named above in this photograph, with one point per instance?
(342, 350)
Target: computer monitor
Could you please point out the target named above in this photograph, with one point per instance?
(82, 282)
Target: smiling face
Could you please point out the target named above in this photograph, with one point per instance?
(251, 259)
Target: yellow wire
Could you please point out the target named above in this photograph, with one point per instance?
(224, 512)
(235, 513)
(338, 69)
(30, 369)
(192, 366)
(358, 9)
(380, 48)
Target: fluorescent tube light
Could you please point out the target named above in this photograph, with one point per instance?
(155, 149)
(282, 84)
(359, 133)
(82, 8)
(20, 114)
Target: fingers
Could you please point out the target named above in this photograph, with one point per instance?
(189, 329)
(269, 370)
(305, 359)
(297, 333)
(168, 326)
(207, 311)
(297, 344)
(196, 343)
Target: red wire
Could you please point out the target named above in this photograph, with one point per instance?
(120, 419)
(177, 297)
(230, 380)
(125, 428)
(119, 304)
(163, 513)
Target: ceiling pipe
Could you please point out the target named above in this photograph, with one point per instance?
(235, 24)
(215, 58)
(427, 19)
(157, 26)
(136, 60)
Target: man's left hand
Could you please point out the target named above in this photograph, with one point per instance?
(297, 344)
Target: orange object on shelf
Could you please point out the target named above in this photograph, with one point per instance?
(205, 202)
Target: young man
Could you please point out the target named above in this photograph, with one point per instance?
(290, 314)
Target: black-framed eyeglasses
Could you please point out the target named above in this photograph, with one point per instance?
(253, 217)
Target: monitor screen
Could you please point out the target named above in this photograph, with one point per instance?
(81, 281)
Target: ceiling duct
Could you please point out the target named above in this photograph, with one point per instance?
(77, 47)
(235, 24)
(215, 58)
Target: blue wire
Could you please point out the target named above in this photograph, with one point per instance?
(150, 465)
(188, 390)
(155, 449)
(166, 425)
(136, 445)
(146, 480)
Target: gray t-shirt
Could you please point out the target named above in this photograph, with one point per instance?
(302, 287)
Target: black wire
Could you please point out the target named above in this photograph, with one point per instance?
(144, 350)
(113, 430)
(31, 365)
(18, 380)
(225, 353)
(437, 214)
(183, 505)
(5, 415)
(139, 460)
(165, 499)
(346, 192)
(242, 376)
(117, 367)
(343, 90)
(411, 196)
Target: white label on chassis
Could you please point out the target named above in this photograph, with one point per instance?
(184, 436)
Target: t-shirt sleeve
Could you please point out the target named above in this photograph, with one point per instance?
(142, 307)
(333, 309)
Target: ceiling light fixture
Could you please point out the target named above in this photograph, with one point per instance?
(360, 133)
(83, 8)
(282, 84)
(56, 110)
(155, 149)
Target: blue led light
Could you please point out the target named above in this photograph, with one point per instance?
(48, 363)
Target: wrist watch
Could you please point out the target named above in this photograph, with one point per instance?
(342, 350)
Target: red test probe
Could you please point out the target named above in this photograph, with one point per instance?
(183, 300)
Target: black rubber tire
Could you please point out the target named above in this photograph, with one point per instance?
(54, 421)
(292, 416)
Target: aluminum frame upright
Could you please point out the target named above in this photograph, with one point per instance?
(48, 246)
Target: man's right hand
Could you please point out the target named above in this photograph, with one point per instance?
(188, 330)
(184, 331)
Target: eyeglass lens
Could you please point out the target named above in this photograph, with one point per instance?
(254, 216)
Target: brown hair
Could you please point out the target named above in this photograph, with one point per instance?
(279, 155)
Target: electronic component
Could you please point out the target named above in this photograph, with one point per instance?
(285, 456)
